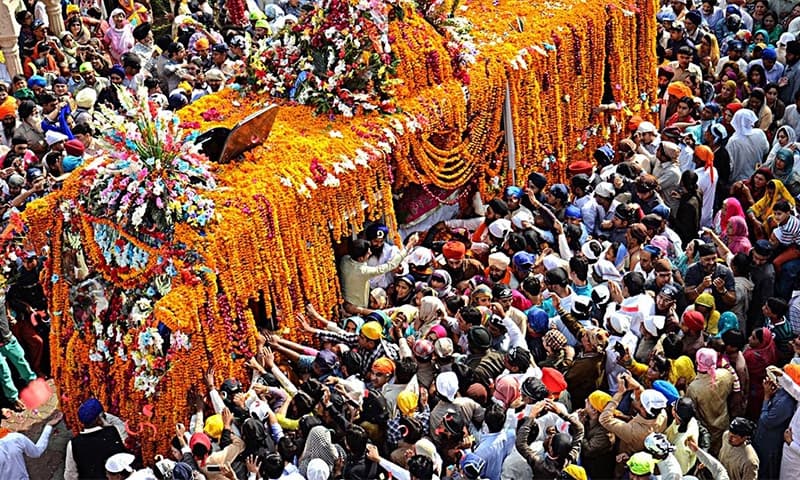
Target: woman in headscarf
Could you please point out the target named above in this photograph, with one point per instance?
(730, 208)
(352, 324)
(738, 236)
(119, 37)
(772, 27)
(783, 169)
(431, 312)
(760, 213)
(727, 92)
(708, 53)
(442, 282)
(318, 446)
(757, 102)
(759, 354)
(747, 146)
(79, 32)
(709, 391)
(378, 299)
(727, 321)
(727, 116)
(404, 317)
(403, 291)
(784, 138)
(706, 305)
(753, 189)
(257, 441)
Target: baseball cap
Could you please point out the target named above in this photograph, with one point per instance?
(523, 261)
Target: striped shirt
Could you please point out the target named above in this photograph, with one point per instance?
(789, 232)
(384, 348)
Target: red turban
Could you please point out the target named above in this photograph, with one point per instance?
(733, 107)
(553, 380)
(694, 320)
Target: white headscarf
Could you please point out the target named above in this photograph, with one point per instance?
(431, 311)
(318, 447)
(318, 470)
(743, 122)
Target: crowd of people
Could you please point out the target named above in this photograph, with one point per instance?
(642, 320)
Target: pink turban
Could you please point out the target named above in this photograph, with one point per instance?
(707, 363)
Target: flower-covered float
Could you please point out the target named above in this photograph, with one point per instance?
(163, 263)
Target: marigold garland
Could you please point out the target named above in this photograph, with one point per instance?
(318, 179)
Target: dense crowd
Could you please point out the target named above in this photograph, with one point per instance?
(642, 321)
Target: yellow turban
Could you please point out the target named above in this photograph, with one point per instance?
(372, 330)
(214, 426)
(407, 402)
(576, 472)
(599, 399)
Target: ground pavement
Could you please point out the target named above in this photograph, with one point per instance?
(50, 466)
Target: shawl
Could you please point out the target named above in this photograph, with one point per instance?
(762, 209)
(758, 358)
(738, 240)
(119, 40)
(731, 208)
(318, 446)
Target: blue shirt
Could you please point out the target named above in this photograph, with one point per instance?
(493, 449)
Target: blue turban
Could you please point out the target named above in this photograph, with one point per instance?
(573, 212)
(89, 411)
(652, 250)
(538, 320)
(513, 191)
(37, 81)
(182, 471)
(71, 162)
(377, 230)
(668, 390)
(383, 318)
(604, 154)
(662, 211)
(117, 70)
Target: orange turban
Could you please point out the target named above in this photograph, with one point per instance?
(633, 123)
(793, 371)
(679, 89)
(707, 156)
(8, 108)
(201, 44)
(383, 365)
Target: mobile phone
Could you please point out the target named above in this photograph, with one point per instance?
(213, 468)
